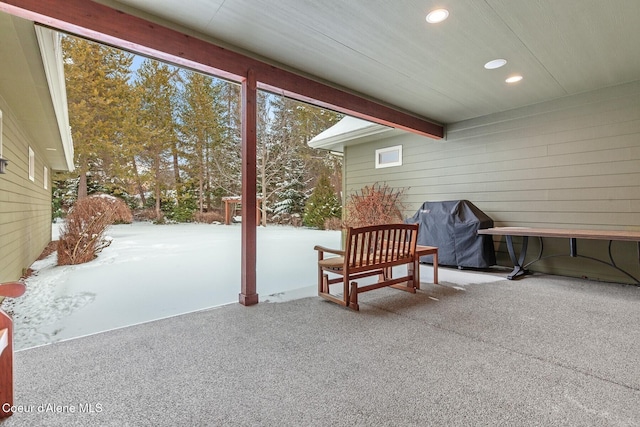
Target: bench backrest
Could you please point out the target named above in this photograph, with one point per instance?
(380, 246)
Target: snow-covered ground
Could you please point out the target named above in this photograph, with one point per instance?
(155, 271)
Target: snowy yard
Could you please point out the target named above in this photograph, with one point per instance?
(155, 271)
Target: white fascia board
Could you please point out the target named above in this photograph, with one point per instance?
(348, 131)
(49, 42)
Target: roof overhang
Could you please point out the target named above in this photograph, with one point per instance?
(32, 84)
(351, 131)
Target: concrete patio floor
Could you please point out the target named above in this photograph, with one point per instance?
(539, 351)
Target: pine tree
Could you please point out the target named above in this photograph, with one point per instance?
(156, 83)
(226, 165)
(284, 158)
(201, 130)
(178, 133)
(308, 122)
(97, 93)
(322, 205)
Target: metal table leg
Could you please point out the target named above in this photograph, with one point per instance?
(518, 262)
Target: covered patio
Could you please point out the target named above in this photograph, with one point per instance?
(542, 351)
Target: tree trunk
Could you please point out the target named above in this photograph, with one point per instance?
(201, 191)
(158, 211)
(201, 154)
(157, 173)
(176, 173)
(207, 177)
(176, 165)
(263, 179)
(82, 185)
(201, 187)
(143, 199)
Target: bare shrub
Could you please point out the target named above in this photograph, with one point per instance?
(333, 223)
(82, 236)
(208, 217)
(121, 212)
(374, 205)
(145, 215)
(294, 219)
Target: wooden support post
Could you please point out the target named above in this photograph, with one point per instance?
(248, 295)
(12, 290)
(6, 364)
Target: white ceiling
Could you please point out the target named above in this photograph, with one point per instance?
(386, 50)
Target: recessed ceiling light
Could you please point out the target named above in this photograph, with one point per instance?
(514, 79)
(437, 15)
(496, 63)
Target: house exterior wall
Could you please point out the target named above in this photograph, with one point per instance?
(25, 205)
(571, 163)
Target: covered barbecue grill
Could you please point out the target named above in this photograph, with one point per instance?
(452, 226)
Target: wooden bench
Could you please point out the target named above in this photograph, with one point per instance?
(519, 266)
(369, 251)
(13, 290)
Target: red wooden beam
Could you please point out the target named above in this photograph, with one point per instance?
(248, 295)
(107, 25)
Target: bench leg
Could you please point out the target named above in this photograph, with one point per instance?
(325, 284)
(413, 270)
(353, 297)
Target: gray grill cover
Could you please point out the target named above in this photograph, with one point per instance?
(452, 227)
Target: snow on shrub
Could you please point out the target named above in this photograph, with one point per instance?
(82, 236)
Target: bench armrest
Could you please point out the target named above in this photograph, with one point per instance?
(331, 251)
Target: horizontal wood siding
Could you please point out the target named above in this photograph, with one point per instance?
(25, 206)
(569, 163)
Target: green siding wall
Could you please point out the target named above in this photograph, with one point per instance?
(573, 162)
(25, 206)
